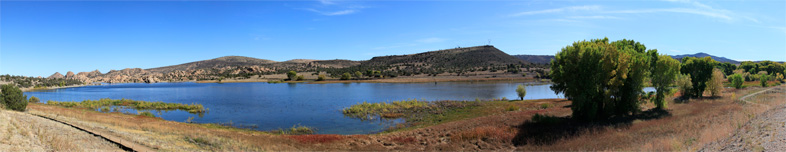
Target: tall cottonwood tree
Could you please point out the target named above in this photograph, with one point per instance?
(601, 78)
(664, 73)
(700, 70)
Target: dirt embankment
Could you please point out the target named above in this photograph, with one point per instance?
(766, 132)
(24, 132)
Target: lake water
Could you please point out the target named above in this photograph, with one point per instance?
(283, 105)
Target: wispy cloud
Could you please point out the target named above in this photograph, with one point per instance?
(326, 2)
(558, 10)
(333, 13)
(595, 17)
(676, 10)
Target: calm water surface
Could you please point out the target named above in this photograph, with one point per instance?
(282, 105)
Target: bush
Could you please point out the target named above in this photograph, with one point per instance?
(512, 108)
(521, 91)
(147, 114)
(779, 77)
(321, 77)
(12, 98)
(358, 75)
(34, 99)
(684, 83)
(763, 79)
(715, 84)
(345, 76)
(545, 119)
(291, 75)
(300, 78)
(736, 80)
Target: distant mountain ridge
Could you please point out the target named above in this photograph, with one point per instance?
(456, 57)
(545, 59)
(702, 54)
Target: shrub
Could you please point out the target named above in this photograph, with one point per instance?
(736, 80)
(296, 130)
(321, 77)
(34, 99)
(345, 76)
(684, 83)
(512, 108)
(715, 84)
(12, 98)
(521, 91)
(545, 105)
(300, 78)
(763, 79)
(779, 77)
(291, 75)
(358, 75)
(147, 114)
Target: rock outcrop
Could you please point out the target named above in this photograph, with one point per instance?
(57, 75)
(70, 75)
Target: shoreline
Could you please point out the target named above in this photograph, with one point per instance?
(53, 88)
(393, 80)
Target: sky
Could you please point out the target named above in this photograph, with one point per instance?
(39, 38)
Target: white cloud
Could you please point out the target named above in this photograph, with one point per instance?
(327, 13)
(326, 2)
(558, 10)
(431, 40)
(594, 17)
(675, 10)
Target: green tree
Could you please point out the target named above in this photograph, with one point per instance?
(13, 98)
(345, 76)
(601, 78)
(736, 80)
(34, 99)
(358, 75)
(727, 68)
(715, 84)
(763, 79)
(291, 75)
(750, 67)
(321, 77)
(300, 78)
(663, 74)
(700, 70)
(521, 91)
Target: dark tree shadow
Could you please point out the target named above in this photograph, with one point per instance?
(557, 128)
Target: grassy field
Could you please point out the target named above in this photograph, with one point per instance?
(458, 125)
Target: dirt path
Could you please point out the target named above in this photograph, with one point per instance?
(24, 132)
(766, 132)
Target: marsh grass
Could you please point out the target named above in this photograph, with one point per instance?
(295, 130)
(134, 104)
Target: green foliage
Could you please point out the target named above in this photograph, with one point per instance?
(147, 114)
(521, 91)
(358, 75)
(365, 109)
(748, 66)
(545, 119)
(321, 77)
(27, 82)
(700, 70)
(138, 105)
(715, 84)
(512, 108)
(34, 99)
(545, 105)
(736, 80)
(601, 78)
(300, 78)
(683, 82)
(763, 79)
(345, 76)
(779, 77)
(727, 68)
(663, 74)
(12, 98)
(291, 75)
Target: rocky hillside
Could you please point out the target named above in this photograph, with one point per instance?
(457, 60)
(450, 58)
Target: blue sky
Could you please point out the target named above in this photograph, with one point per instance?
(38, 38)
